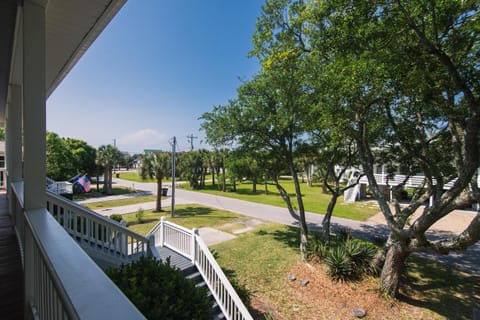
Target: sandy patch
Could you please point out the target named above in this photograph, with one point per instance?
(454, 222)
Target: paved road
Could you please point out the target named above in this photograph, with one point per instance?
(468, 261)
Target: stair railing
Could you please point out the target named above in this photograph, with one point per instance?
(189, 244)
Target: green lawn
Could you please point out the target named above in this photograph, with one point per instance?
(188, 216)
(116, 190)
(120, 202)
(135, 177)
(313, 198)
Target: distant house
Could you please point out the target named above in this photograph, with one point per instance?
(150, 151)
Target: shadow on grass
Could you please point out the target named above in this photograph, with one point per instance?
(192, 211)
(144, 221)
(443, 290)
(290, 236)
(115, 192)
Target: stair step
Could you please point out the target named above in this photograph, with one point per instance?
(194, 275)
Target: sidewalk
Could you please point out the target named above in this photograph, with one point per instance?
(370, 230)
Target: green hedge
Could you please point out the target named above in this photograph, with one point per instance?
(161, 291)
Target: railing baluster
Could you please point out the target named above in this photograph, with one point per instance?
(189, 243)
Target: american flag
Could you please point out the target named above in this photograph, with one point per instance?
(82, 183)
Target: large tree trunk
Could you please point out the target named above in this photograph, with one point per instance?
(328, 217)
(301, 212)
(393, 268)
(254, 186)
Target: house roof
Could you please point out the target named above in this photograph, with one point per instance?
(71, 27)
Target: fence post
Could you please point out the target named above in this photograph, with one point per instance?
(162, 233)
(194, 242)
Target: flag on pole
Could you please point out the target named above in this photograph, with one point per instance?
(82, 183)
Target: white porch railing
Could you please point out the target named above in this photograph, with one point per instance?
(61, 280)
(59, 187)
(412, 181)
(96, 231)
(190, 244)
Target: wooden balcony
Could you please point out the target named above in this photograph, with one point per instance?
(11, 271)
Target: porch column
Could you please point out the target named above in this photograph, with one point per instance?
(34, 97)
(13, 138)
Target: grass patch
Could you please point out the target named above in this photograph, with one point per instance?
(188, 216)
(135, 177)
(116, 190)
(259, 259)
(119, 202)
(314, 200)
(449, 293)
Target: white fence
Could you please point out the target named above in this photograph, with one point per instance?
(411, 181)
(59, 187)
(190, 244)
(61, 280)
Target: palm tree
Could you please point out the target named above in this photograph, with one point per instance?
(106, 157)
(156, 164)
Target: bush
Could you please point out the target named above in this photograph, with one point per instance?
(139, 215)
(346, 259)
(361, 254)
(318, 249)
(161, 291)
(116, 217)
(339, 264)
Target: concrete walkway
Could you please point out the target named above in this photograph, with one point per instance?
(468, 260)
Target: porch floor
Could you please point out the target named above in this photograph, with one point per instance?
(11, 273)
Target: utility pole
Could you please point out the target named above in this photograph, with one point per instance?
(173, 177)
(191, 137)
(114, 145)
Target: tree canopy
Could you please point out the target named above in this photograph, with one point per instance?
(397, 81)
(68, 157)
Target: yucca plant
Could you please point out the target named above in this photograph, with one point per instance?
(360, 254)
(339, 265)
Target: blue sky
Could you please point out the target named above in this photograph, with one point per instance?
(154, 71)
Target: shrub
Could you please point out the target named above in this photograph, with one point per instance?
(318, 249)
(361, 254)
(139, 215)
(116, 217)
(161, 291)
(338, 264)
(347, 258)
